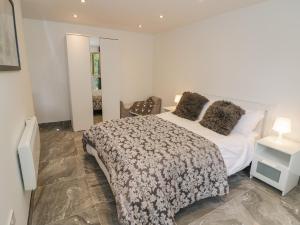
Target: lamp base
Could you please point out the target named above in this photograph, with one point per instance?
(279, 138)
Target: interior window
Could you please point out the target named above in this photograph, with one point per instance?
(96, 70)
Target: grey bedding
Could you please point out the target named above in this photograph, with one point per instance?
(156, 167)
(97, 102)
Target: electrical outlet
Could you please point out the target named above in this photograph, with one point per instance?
(11, 218)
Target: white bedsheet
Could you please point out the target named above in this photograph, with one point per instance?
(236, 149)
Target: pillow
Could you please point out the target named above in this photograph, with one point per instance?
(222, 116)
(190, 105)
(248, 122)
(204, 110)
(142, 107)
(212, 99)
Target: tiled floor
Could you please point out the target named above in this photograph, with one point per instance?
(73, 191)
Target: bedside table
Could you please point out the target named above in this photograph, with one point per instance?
(169, 108)
(277, 164)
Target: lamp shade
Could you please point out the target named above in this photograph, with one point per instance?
(282, 125)
(177, 98)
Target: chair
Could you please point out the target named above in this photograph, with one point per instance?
(125, 112)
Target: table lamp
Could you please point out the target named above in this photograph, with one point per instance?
(177, 99)
(282, 125)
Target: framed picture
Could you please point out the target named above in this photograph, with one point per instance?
(9, 50)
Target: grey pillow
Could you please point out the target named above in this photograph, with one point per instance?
(190, 106)
(222, 116)
(142, 107)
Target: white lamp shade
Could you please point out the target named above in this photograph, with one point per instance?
(282, 125)
(177, 98)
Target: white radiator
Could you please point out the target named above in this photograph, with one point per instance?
(29, 154)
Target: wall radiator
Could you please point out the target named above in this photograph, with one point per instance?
(29, 154)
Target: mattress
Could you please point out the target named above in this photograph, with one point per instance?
(236, 149)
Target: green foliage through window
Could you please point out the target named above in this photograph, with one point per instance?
(95, 63)
(96, 70)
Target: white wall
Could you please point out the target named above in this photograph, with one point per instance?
(48, 65)
(16, 105)
(252, 54)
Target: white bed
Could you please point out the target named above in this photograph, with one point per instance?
(154, 185)
(97, 100)
(237, 149)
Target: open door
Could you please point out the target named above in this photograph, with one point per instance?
(78, 50)
(110, 78)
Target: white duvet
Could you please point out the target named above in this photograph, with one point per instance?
(236, 149)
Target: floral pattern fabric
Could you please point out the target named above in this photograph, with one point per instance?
(97, 102)
(156, 167)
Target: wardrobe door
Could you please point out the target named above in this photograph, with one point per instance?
(78, 51)
(110, 77)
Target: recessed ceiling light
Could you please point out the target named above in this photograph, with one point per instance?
(161, 16)
(82, 1)
(140, 26)
(75, 15)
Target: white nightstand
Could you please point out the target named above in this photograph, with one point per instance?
(277, 164)
(169, 108)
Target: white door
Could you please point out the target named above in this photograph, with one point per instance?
(78, 51)
(110, 78)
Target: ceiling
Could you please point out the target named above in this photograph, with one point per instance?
(129, 14)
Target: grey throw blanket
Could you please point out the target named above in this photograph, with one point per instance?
(156, 167)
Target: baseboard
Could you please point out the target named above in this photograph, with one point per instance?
(61, 124)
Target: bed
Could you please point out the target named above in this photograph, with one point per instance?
(157, 165)
(97, 100)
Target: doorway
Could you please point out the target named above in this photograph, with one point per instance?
(96, 84)
(94, 66)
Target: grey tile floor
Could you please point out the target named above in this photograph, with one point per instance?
(72, 190)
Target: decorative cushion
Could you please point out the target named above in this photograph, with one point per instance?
(190, 105)
(142, 107)
(222, 116)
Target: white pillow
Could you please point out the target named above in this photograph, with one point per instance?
(205, 107)
(248, 122)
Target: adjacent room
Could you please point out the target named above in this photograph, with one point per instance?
(149, 112)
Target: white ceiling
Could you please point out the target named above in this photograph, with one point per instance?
(128, 14)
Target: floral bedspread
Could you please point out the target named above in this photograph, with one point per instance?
(97, 102)
(156, 167)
